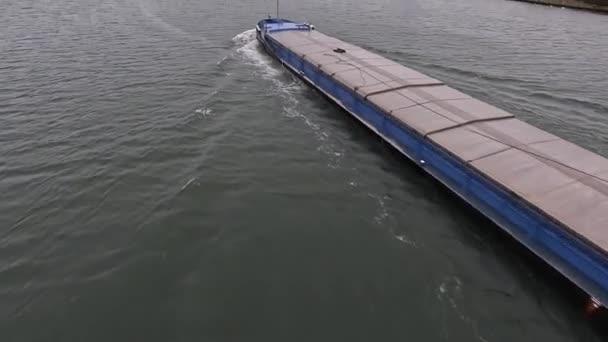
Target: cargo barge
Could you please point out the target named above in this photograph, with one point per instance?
(549, 194)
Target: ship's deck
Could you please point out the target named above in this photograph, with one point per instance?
(560, 179)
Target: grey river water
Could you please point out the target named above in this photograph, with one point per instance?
(163, 180)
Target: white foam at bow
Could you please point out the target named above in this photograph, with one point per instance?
(248, 47)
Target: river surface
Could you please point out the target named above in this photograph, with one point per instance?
(164, 180)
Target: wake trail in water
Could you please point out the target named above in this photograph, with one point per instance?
(247, 46)
(450, 292)
(286, 88)
(248, 50)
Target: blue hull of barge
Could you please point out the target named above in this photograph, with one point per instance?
(574, 258)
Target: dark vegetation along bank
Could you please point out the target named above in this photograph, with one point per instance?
(593, 5)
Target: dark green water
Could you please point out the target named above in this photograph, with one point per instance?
(163, 180)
